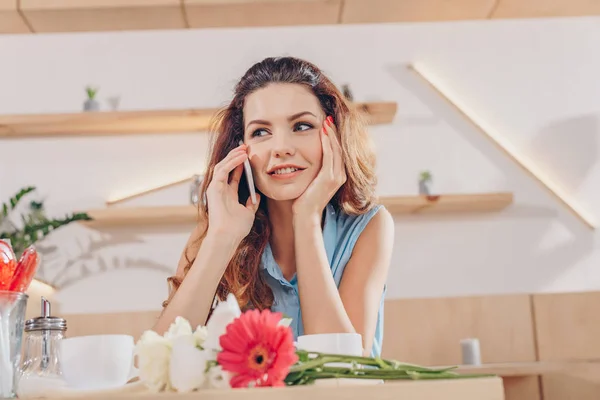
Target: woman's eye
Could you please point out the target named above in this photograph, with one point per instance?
(302, 126)
(259, 132)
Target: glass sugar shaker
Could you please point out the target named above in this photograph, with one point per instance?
(41, 359)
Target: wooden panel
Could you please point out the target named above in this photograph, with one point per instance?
(128, 323)
(102, 15)
(118, 15)
(428, 331)
(252, 13)
(373, 11)
(140, 122)
(522, 388)
(567, 328)
(567, 325)
(546, 8)
(580, 383)
(10, 20)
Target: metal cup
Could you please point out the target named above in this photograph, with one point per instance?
(12, 322)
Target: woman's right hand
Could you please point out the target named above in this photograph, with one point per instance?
(225, 213)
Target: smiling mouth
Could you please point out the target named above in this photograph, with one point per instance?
(285, 171)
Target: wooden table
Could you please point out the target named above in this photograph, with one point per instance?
(451, 389)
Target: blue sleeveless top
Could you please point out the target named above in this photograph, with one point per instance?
(340, 233)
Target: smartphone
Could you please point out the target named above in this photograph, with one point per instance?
(249, 178)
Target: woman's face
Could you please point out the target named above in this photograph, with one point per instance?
(282, 124)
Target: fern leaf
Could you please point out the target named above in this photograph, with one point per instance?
(15, 200)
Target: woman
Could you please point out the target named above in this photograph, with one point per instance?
(315, 246)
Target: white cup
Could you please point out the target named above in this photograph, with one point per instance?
(97, 362)
(333, 343)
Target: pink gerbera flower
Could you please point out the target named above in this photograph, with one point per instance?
(256, 350)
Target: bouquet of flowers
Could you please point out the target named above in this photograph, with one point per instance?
(253, 349)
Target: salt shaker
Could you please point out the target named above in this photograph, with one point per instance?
(41, 359)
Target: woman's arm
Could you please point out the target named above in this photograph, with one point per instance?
(228, 223)
(195, 295)
(354, 307)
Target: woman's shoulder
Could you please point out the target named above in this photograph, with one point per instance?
(345, 219)
(352, 225)
(369, 230)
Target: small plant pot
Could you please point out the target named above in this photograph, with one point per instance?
(114, 102)
(195, 189)
(91, 105)
(425, 188)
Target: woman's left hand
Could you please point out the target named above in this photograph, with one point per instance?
(329, 179)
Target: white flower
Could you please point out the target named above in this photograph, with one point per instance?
(153, 352)
(217, 378)
(200, 335)
(285, 322)
(222, 316)
(187, 366)
(180, 327)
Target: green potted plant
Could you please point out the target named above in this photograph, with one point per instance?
(91, 104)
(32, 224)
(425, 182)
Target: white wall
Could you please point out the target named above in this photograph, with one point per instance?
(535, 82)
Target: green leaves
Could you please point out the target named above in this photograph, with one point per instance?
(13, 201)
(312, 366)
(35, 224)
(91, 92)
(425, 176)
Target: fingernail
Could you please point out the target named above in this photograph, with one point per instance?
(330, 120)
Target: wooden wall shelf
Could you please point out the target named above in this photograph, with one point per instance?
(40, 16)
(139, 122)
(448, 203)
(162, 215)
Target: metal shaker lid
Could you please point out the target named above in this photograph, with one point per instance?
(46, 321)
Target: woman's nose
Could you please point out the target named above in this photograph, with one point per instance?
(283, 146)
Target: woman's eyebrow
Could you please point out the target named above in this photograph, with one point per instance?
(290, 118)
(300, 114)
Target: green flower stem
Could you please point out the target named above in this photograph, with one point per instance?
(397, 374)
(319, 359)
(313, 366)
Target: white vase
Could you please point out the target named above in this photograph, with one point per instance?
(425, 188)
(91, 105)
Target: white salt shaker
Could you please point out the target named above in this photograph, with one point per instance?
(471, 352)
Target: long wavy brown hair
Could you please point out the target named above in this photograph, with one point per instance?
(243, 276)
